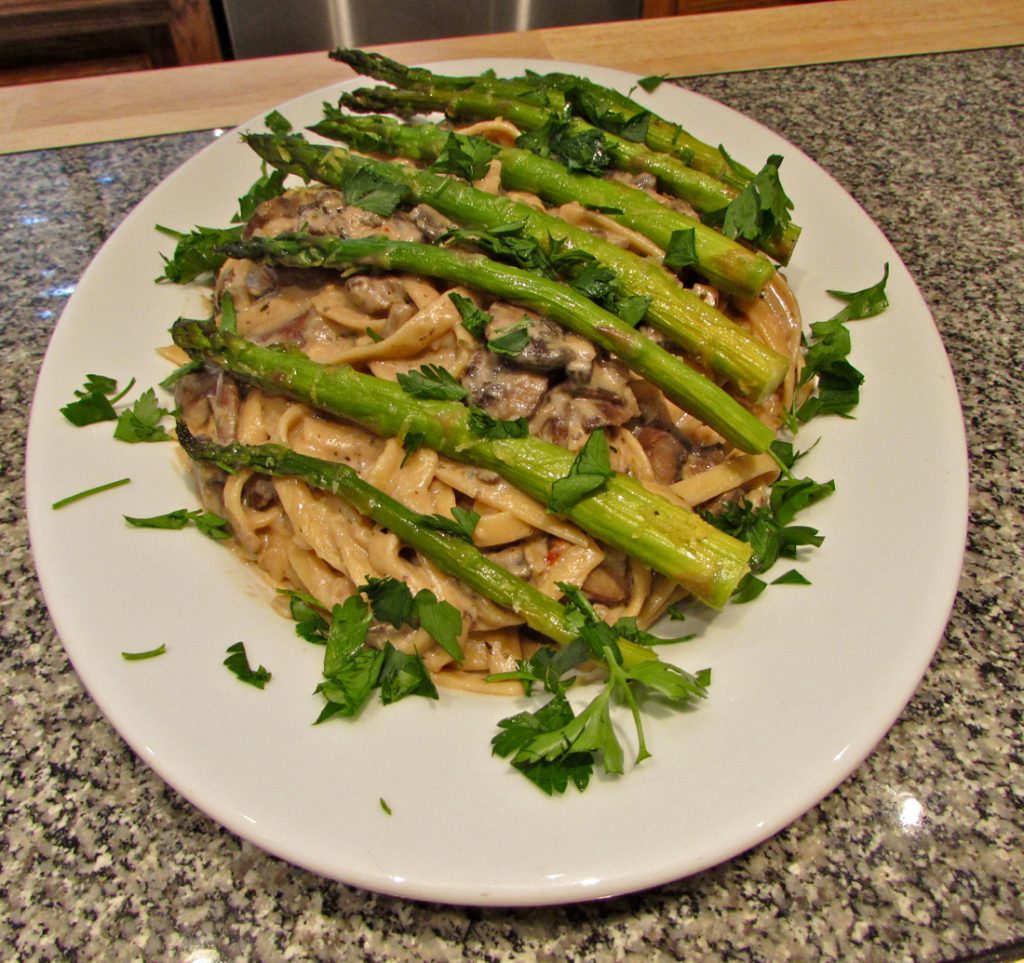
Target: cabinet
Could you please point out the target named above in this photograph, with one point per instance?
(50, 39)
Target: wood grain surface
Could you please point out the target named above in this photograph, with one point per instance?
(86, 110)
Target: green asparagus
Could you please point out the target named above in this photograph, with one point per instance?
(669, 538)
(725, 263)
(422, 92)
(602, 106)
(715, 340)
(455, 556)
(692, 391)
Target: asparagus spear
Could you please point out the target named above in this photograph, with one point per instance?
(458, 557)
(602, 106)
(704, 192)
(669, 538)
(691, 390)
(726, 264)
(714, 339)
(489, 99)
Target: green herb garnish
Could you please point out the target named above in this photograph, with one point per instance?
(238, 663)
(148, 654)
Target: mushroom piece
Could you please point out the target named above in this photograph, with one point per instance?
(502, 390)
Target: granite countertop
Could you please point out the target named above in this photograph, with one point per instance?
(104, 861)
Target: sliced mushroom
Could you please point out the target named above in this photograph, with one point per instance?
(502, 390)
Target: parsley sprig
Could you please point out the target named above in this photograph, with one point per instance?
(139, 422)
(589, 471)
(760, 213)
(838, 388)
(554, 746)
(352, 669)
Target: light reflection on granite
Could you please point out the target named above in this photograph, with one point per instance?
(918, 856)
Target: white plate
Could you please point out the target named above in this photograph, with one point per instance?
(806, 680)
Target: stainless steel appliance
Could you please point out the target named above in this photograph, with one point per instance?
(258, 28)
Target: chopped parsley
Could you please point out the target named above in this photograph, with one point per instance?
(760, 212)
(141, 422)
(512, 340)
(277, 123)
(140, 656)
(95, 401)
(593, 108)
(265, 187)
(579, 146)
(465, 156)
(589, 471)
(474, 320)
(238, 663)
(826, 358)
(78, 496)
(352, 670)
(682, 249)
(554, 746)
(461, 524)
(433, 382)
(367, 189)
(196, 253)
(211, 525)
(486, 428)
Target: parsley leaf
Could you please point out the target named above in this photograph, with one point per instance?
(367, 189)
(189, 367)
(391, 600)
(511, 340)
(585, 150)
(592, 108)
(588, 473)
(863, 304)
(838, 389)
(350, 686)
(682, 249)
(347, 632)
(212, 526)
(465, 156)
(507, 243)
(431, 381)
(306, 611)
(403, 675)
(552, 776)
(760, 211)
(238, 662)
(267, 186)
(461, 524)
(652, 83)
(94, 402)
(748, 589)
(141, 422)
(486, 428)
(441, 620)
(792, 577)
(632, 309)
(766, 528)
(412, 442)
(596, 282)
(474, 320)
(277, 123)
(196, 253)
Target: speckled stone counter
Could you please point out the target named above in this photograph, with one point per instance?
(101, 860)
